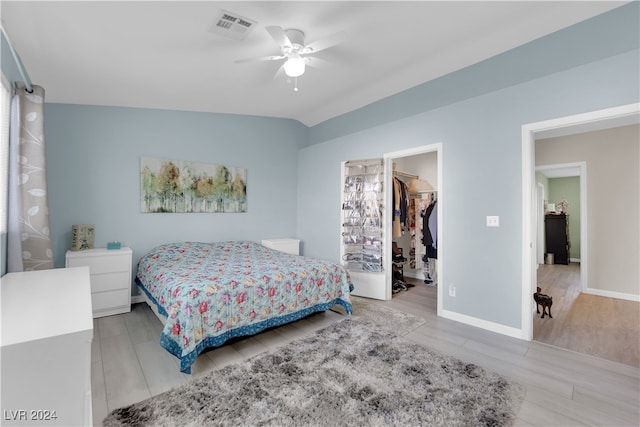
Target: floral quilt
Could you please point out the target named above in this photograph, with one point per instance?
(211, 292)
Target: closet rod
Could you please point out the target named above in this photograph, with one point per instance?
(422, 193)
(16, 58)
(406, 175)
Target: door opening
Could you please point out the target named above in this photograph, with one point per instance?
(592, 121)
(418, 263)
(563, 273)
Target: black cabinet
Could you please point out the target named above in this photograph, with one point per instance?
(557, 237)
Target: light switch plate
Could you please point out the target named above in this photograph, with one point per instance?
(493, 221)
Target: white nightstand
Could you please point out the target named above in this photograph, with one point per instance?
(110, 278)
(290, 246)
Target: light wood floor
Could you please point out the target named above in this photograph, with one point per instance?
(592, 324)
(564, 388)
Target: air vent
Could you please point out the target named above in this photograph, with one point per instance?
(232, 25)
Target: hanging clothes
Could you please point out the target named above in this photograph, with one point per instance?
(397, 229)
(404, 205)
(433, 229)
(400, 207)
(427, 238)
(430, 229)
(430, 240)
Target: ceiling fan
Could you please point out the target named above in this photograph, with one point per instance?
(293, 48)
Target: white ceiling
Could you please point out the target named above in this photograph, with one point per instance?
(161, 54)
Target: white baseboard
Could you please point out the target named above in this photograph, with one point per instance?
(574, 259)
(483, 324)
(613, 294)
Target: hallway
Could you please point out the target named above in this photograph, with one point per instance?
(604, 327)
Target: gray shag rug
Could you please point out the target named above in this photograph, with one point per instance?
(356, 372)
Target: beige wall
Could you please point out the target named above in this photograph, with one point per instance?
(613, 202)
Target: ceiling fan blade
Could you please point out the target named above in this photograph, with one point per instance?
(262, 58)
(280, 73)
(326, 42)
(314, 62)
(277, 33)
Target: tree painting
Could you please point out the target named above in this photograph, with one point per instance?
(185, 187)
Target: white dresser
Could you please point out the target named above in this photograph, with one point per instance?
(47, 329)
(290, 246)
(110, 278)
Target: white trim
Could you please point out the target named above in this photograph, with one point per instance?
(529, 132)
(528, 231)
(388, 159)
(481, 323)
(584, 237)
(387, 232)
(612, 294)
(540, 195)
(619, 116)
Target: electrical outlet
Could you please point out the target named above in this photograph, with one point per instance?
(452, 291)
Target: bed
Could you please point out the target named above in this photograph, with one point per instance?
(207, 293)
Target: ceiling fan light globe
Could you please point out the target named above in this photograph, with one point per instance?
(294, 67)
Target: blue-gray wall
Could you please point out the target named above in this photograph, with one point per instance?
(93, 168)
(590, 66)
(93, 156)
(603, 36)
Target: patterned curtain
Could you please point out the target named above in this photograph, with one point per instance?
(28, 239)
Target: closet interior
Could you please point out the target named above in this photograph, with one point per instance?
(414, 222)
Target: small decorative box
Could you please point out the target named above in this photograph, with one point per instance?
(113, 245)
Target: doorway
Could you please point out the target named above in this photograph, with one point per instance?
(593, 121)
(420, 166)
(561, 199)
(564, 183)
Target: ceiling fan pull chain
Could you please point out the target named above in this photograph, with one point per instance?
(295, 84)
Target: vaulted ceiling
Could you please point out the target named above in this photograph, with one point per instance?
(164, 54)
